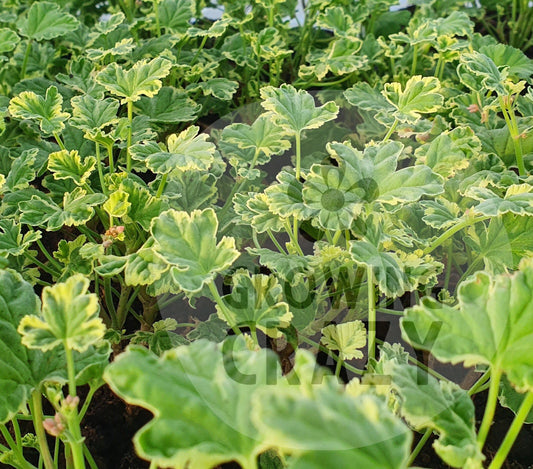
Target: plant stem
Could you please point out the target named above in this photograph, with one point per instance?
(16, 449)
(391, 130)
(220, 302)
(451, 231)
(298, 154)
(275, 241)
(162, 185)
(421, 443)
(479, 383)
(52, 261)
(156, 13)
(512, 126)
(100, 170)
(490, 407)
(512, 433)
(415, 58)
(25, 60)
(338, 368)
(130, 134)
(371, 315)
(76, 443)
(36, 408)
(59, 141)
(110, 157)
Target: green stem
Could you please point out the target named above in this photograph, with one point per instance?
(162, 185)
(157, 23)
(110, 157)
(513, 432)
(451, 231)
(220, 302)
(415, 58)
(512, 125)
(89, 458)
(336, 237)
(421, 443)
(391, 130)
(479, 383)
(52, 261)
(76, 442)
(294, 240)
(25, 60)
(275, 241)
(298, 155)
(371, 315)
(17, 450)
(36, 408)
(490, 407)
(130, 134)
(338, 368)
(92, 389)
(59, 141)
(448, 265)
(100, 169)
(122, 311)
(38, 263)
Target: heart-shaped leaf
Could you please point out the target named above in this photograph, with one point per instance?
(45, 20)
(143, 79)
(46, 111)
(69, 318)
(69, 165)
(295, 110)
(188, 241)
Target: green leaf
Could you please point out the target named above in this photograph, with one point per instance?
(518, 199)
(347, 338)
(220, 88)
(253, 210)
(214, 426)
(46, 111)
(22, 369)
(492, 325)
(91, 114)
(188, 241)
(69, 318)
(255, 300)
(169, 106)
(479, 73)
(8, 40)
(117, 205)
(144, 267)
(342, 57)
(295, 110)
(144, 206)
(69, 254)
(363, 96)
(450, 151)
(46, 21)
(513, 400)
(374, 171)
(175, 15)
(22, 171)
(285, 197)
(443, 407)
(503, 243)
(143, 79)
(68, 165)
(440, 213)
(214, 330)
(504, 56)
(186, 151)
(263, 136)
(12, 241)
(77, 209)
(420, 95)
(324, 427)
(387, 269)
